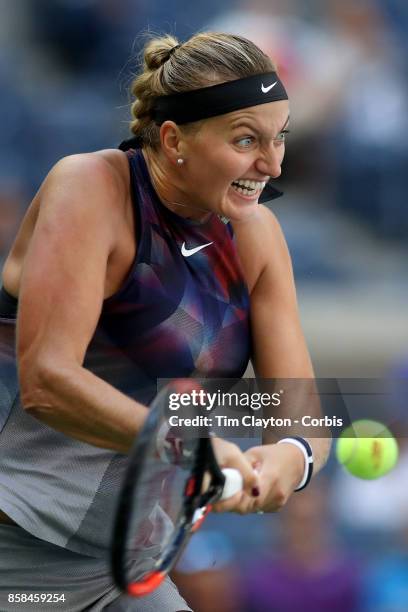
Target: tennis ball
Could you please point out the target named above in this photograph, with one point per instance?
(367, 449)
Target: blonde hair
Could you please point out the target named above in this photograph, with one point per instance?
(205, 59)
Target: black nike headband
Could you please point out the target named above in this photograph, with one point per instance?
(219, 99)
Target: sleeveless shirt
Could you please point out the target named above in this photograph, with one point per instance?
(182, 311)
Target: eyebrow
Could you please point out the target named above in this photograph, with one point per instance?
(246, 123)
(285, 124)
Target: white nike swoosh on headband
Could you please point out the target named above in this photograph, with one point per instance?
(266, 89)
(188, 252)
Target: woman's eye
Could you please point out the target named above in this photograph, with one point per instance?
(246, 141)
(281, 137)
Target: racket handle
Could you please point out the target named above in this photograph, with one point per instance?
(233, 483)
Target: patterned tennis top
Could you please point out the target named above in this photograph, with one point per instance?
(182, 311)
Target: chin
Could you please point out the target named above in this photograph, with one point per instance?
(238, 207)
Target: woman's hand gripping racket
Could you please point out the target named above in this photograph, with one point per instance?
(172, 481)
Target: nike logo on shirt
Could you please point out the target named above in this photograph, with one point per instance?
(266, 89)
(188, 252)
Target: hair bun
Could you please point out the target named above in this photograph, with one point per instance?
(158, 51)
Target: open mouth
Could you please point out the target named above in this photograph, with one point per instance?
(247, 187)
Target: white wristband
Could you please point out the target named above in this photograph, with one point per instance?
(305, 447)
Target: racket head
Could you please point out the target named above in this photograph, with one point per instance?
(165, 496)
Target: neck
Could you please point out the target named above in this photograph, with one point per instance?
(165, 183)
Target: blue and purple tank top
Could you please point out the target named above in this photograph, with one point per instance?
(181, 312)
(177, 315)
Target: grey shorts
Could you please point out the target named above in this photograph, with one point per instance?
(32, 566)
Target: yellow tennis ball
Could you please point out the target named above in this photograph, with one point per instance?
(367, 449)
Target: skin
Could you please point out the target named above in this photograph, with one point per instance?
(52, 339)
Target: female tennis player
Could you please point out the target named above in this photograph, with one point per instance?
(152, 261)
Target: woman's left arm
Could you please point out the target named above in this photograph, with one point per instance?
(279, 352)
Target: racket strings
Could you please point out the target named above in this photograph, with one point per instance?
(161, 504)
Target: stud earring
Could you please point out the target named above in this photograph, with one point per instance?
(180, 161)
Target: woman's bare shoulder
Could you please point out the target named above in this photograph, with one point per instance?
(117, 161)
(259, 238)
(104, 167)
(101, 179)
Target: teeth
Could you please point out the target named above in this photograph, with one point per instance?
(254, 185)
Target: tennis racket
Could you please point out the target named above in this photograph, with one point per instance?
(172, 481)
